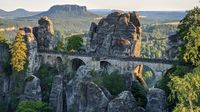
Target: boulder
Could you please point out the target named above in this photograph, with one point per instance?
(124, 102)
(82, 95)
(118, 34)
(32, 89)
(44, 33)
(56, 95)
(156, 101)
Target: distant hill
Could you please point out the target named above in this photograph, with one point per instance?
(150, 15)
(66, 11)
(18, 13)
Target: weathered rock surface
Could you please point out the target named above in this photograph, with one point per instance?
(31, 43)
(32, 89)
(173, 45)
(82, 95)
(118, 34)
(44, 33)
(56, 96)
(4, 52)
(156, 101)
(125, 102)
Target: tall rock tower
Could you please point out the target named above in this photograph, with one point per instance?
(44, 33)
(119, 34)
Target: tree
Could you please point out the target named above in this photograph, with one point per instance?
(74, 43)
(18, 52)
(187, 90)
(32, 106)
(189, 32)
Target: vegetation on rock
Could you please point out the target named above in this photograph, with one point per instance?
(139, 93)
(19, 52)
(187, 90)
(189, 31)
(182, 83)
(114, 82)
(32, 106)
(46, 75)
(74, 43)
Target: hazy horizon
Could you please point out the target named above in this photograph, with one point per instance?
(126, 5)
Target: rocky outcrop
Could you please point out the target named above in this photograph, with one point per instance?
(137, 73)
(118, 34)
(174, 43)
(125, 102)
(156, 101)
(56, 96)
(44, 33)
(4, 52)
(32, 89)
(31, 43)
(82, 95)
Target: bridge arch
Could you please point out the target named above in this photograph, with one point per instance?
(105, 65)
(59, 60)
(76, 63)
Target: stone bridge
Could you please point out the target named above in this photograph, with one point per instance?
(123, 64)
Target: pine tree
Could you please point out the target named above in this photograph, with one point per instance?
(18, 52)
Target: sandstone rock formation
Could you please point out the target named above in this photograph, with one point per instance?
(82, 95)
(4, 52)
(31, 44)
(137, 73)
(125, 102)
(44, 33)
(173, 45)
(56, 96)
(118, 34)
(156, 101)
(32, 89)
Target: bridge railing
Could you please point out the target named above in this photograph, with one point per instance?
(125, 58)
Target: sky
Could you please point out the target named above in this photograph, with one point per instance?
(127, 5)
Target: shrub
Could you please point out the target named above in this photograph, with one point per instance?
(32, 106)
(139, 93)
(114, 82)
(74, 43)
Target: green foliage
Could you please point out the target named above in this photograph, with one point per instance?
(148, 76)
(187, 90)
(154, 40)
(32, 106)
(189, 31)
(61, 45)
(74, 43)
(139, 93)
(46, 75)
(114, 82)
(19, 52)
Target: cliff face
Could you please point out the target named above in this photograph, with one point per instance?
(118, 34)
(44, 33)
